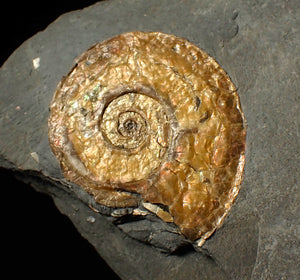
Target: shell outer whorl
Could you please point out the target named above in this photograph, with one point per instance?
(151, 118)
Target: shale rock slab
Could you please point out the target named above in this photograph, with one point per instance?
(257, 43)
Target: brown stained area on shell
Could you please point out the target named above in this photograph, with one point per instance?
(151, 118)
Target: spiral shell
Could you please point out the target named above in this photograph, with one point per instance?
(149, 118)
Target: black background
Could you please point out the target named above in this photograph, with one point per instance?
(37, 241)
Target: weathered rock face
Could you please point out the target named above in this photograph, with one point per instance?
(256, 44)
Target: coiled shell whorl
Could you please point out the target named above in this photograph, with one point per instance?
(151, 118)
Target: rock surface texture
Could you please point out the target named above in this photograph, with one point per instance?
(257, 44)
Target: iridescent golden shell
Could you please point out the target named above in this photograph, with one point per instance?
(149, 118)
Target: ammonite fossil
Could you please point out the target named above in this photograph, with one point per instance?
(151, 119)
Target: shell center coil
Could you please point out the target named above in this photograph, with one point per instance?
(135, 124)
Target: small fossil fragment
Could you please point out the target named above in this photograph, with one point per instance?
(149, 118)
